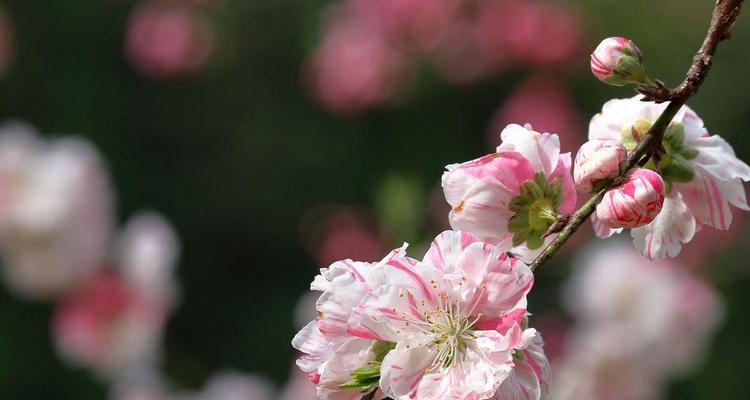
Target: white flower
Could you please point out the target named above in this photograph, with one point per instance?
(55, 211)
(702, 175)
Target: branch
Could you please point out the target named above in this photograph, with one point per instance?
(724, 15)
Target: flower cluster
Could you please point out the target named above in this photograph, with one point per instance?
(371, 50)
(638, 325)
(451, 325)
(670, 199)
(513, 196)
(113, 291)
(455, 323)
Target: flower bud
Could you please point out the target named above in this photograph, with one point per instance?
(634, 203)
(617, 61)
(597, 160)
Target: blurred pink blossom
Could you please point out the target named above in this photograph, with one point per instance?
(544, 34)
(298, 386)
(332, 232)
(639, 324)
(109, 326)
(347, 238)
(167, 38)
(355, 66)
(233, 385)
(421, 23)
(114, 323)
(56, 211)
(547, 105)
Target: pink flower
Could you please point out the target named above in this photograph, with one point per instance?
(617, 61)
(55, 211)
(701, 173)
(544, 34)
(332, 349)
(634, 203)
(597, 160)
(167, 38)
(456, 320)
(639, 324)
(513, 196)
(114, 323)
(355, 67)
(109, 326)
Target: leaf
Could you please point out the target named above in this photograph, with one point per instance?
(679, 169)
(674, 137)
(364, 378)
(518, 222)
(381, 349)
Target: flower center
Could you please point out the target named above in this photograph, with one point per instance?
(451, 330)
(535, 210)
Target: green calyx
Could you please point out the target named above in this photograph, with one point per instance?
(629, 69)
(674, 165)
(535, 210)
(367, 377)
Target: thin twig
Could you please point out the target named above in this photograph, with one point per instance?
(724, 15)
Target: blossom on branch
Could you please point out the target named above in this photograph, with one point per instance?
(702, 176)
(596, 161)
(513, 196)
(618, 61)
(453, 325)
(634, 203)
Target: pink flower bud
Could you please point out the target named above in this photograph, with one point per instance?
(597, 160)
(634, 203)
(618, 61)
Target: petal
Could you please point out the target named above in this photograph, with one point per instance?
(483, 211)
(316, 348)
(541, 149)
(706, 201)
(403, 369)
(446, 248)
(600, 229)
(674, 225)
(568, 204)
(530, 377)
(717, 158)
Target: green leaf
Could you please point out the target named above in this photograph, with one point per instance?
(678, 169)
(381, 349)
(674, 137)
(689, 153)
(520, 237)
(364, 378)
(518, 222)
(535, 240)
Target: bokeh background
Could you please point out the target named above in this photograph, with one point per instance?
(277, 138)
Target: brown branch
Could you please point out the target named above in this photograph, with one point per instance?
(724, 15)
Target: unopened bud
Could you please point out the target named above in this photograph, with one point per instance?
(596, 161)
(617, 61)
(634, 203)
